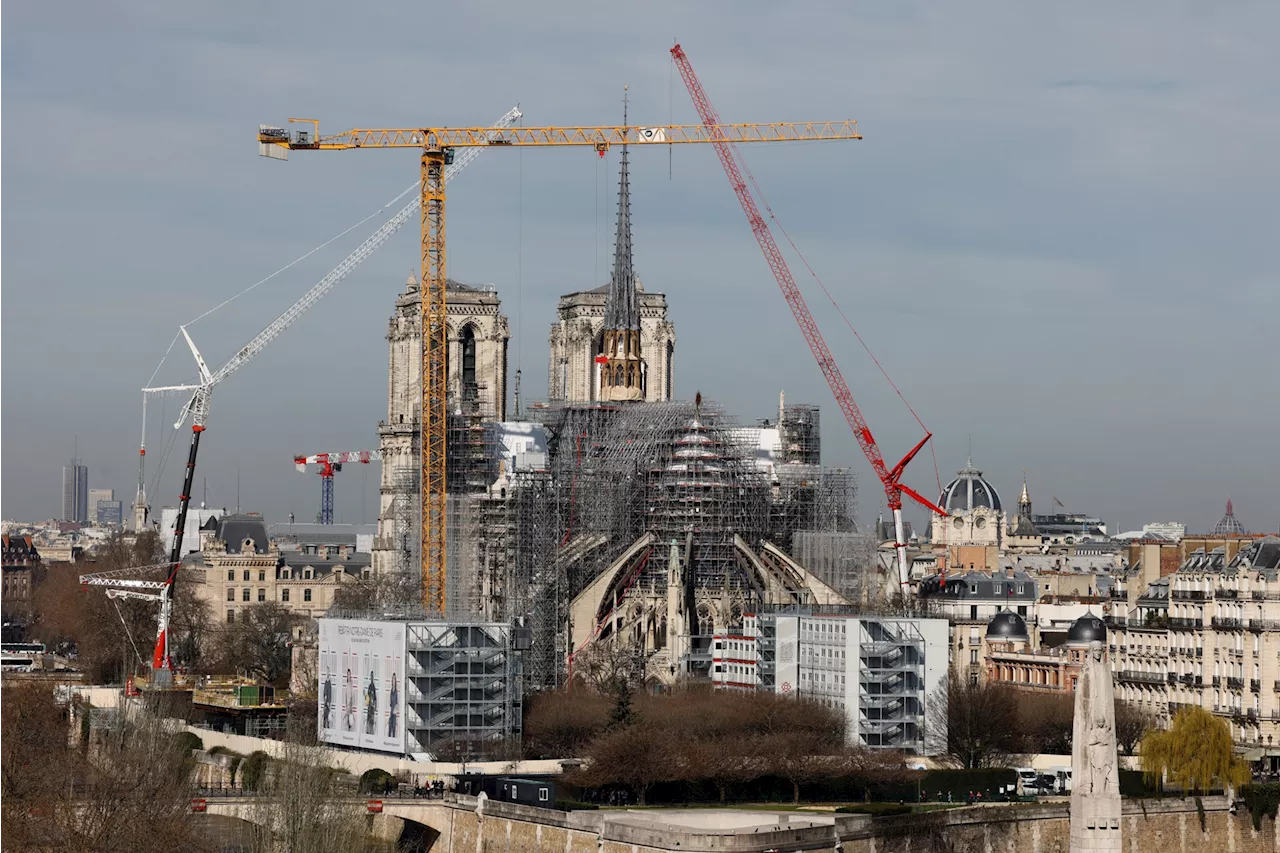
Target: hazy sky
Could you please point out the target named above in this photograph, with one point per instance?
(1054, 233)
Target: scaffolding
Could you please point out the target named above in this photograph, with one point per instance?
(463, 689)
(523, 543)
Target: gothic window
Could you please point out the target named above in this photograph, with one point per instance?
(468, 357)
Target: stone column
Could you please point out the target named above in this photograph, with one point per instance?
(1095, 776)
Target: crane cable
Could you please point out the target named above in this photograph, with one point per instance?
(301, 258)
(764, 201)
(128, 633)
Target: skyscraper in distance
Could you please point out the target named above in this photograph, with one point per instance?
(75, 492)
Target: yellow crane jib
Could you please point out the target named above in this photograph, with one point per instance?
(436, 144)
(605, 135)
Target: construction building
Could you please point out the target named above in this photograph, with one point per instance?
(448, 690)
(613, 514)
(882, 673)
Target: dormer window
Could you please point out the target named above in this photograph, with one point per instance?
(247, 545)
(306, 573)
(284, 574)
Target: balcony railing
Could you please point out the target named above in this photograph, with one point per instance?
(1235, 683)
(1191, 680)
(1252, 714)
(1217, 681)
(1171, 678)
(1265, 595)
(1141, 677)
(1223, 592)
(1181, 623)
(1189, 594)
(1255, 685)
(1264, 624)
(1225, 624)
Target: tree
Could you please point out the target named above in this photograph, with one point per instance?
(257, 643)
(636, 756)
(302, 810)
(982, 722)
(1132, 725)
(800, 757)
(722, 761)
(112, 637)
(377, 593)
(1194, 753)
(560, 723)
(1046, 722)
(125, 791)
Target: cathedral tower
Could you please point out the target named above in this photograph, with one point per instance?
(622, 369)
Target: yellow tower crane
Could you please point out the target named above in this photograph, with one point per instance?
(436, 145)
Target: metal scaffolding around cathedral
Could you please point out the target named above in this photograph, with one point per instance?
(615, 519)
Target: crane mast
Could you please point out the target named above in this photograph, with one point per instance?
(437, 146)
(804, 318)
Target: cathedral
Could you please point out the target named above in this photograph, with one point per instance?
(613, 518)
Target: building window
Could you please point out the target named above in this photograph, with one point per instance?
(262, 594)
(306, 573)
(1021, 587)
(246, 574)
(285, 573)
(996, 589)
(262, 575)
(231, 616)
(231, 593)
(244, 595)
(973, 656)
(306, 595)
(284, 595)
(231, 574)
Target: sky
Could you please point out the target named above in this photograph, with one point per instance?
(1053, 235)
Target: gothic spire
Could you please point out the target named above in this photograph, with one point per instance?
(621, 308)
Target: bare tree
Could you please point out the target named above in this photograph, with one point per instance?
(636, 756)
(257, 643)
(560, 723)
(1132, 725)
(801, 757)
(982, 722)
(302, 810)
(1046, 722)
(125, 790)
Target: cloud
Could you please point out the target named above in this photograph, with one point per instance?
(1055, 233)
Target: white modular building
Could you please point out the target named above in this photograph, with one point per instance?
(887, 675)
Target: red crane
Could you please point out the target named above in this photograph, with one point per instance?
(331, 463)
(890, 477)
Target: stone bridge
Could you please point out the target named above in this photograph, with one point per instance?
(453, 826)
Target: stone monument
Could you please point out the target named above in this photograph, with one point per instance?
(1095, 774)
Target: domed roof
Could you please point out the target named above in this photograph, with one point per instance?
(969, 491)
(1228, 525)
(1007, 626)
(1086, 629)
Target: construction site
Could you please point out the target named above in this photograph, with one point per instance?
(612, 518)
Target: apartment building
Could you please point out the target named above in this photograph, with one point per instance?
(1208, 635)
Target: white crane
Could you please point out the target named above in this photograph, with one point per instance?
(197, 406)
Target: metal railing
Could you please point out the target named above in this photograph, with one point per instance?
(1223, 623)
(1189, 594)
(1224, 592)
(1235, 683)
(1264, 624)
(1141, 677)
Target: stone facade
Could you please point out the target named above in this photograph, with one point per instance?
(242, 567)
(577, 337)
(1207, 635)
(477, 370)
